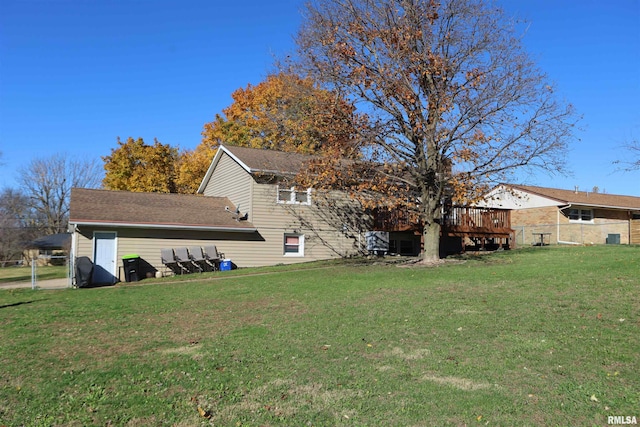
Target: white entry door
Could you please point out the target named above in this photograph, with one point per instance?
(104, 256)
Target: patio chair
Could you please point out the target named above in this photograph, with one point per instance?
(212, 257)
(196, 256)
(169, 260)
(182, 257)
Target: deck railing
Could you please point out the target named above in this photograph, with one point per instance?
(477, 219)
(396, 220)
(457, 219)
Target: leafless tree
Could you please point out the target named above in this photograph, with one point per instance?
(17, 225)
(632, 163)
(446, 83)
(47, 182)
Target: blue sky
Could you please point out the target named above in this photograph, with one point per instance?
(76, 74)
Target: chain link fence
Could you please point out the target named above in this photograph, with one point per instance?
(572, 234)
(38, 268)
(41, 261)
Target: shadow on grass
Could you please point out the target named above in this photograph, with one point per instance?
(99, 285)
(15, 304)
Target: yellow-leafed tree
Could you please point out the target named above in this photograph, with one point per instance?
(191, 169)
(136, 166)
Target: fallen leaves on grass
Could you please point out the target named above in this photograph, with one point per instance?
(204, 413)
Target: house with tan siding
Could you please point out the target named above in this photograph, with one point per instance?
(541, 215)
(297, 224)
(246, 206)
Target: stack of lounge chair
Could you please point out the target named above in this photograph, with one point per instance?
(193, 259)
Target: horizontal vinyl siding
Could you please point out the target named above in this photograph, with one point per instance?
(323, 240)
(230, 180)
(84, 245)
(272, 220)
(148, 243)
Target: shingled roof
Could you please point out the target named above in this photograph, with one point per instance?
(52, 241)
(257, 161)
(584, 198)
(268, 161)
(154, 210)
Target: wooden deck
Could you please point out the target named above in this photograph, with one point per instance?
(478, 228)
(485, 228)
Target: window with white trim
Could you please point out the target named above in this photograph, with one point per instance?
(293, 196)
(580, 215)
(293, 244)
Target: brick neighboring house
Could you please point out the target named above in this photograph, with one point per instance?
(559, 216)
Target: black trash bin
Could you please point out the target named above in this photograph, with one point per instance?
(131, 267)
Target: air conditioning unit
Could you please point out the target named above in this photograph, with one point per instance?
(377, 242)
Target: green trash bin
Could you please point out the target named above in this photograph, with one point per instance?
(131, 264)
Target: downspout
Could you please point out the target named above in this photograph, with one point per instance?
(561, 242)
(72, 254)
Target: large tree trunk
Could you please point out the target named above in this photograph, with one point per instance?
(431, 237)
(431, 214)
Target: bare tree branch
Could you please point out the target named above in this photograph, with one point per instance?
(47, 182)
(18, 225)
(633, 156)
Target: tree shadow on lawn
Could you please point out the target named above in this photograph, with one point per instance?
(15, 304)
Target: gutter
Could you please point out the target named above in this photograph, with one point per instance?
(165, 226)
(620, 208)
(272, 172)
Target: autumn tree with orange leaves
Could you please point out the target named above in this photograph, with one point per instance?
(284, 112)
(136, 166)
(454, 101)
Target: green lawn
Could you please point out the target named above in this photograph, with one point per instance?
(533, 337)
(23, 273)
